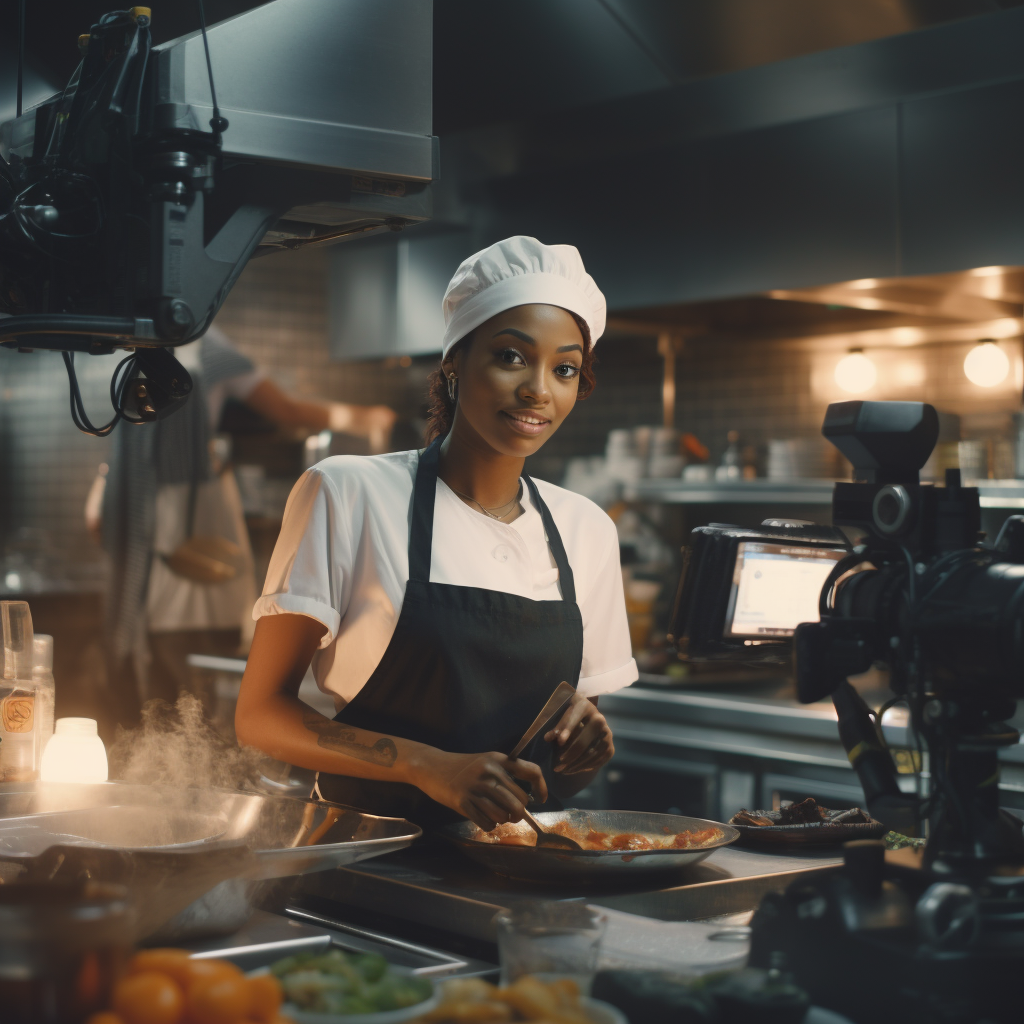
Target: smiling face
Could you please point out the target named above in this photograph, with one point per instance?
(518, 378)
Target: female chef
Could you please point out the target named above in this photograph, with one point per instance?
(442, 595)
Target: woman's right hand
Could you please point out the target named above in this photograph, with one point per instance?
(480, 787)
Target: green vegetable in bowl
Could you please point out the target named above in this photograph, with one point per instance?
(347, 983)
(372, 966)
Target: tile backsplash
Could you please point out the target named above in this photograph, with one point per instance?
(277, 314)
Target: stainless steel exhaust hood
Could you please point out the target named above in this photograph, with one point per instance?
(738, 174)
(324, 85)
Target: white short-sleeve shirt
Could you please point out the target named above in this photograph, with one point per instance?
(343, 559)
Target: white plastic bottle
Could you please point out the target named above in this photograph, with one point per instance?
(46, 692)
(75, 753)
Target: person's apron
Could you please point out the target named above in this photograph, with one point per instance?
(467, 670)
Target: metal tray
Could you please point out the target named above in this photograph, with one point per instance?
(545, 864)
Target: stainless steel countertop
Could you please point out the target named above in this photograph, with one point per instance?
(760, 723)
(1001, 494)
(432, 885)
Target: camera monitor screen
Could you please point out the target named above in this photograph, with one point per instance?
(775, 587)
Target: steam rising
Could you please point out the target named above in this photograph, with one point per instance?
(177, 745)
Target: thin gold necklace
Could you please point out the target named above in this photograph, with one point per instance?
(494, 512)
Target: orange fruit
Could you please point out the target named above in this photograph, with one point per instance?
(148, 997)
(202, 970)
(172, 962)
(220, 999)
(265, 997)
(106, 1017)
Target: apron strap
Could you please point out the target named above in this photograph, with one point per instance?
(565, 576)
(421, 531)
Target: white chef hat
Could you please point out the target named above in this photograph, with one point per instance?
(515, 272)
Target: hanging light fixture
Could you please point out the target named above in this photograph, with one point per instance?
(986, 364)
(856, 373)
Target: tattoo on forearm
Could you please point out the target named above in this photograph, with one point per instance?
(334, 736)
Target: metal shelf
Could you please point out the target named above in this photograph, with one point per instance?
(1007, 494)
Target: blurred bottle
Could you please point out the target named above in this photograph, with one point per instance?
(46, 691)
(17, 695)
(731, 466)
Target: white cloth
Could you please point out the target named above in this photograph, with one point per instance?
(515, 272)
(173, 602)
(343, 559)
(176, 603)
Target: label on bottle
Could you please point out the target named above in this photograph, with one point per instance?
(16, 711)
(17, 749)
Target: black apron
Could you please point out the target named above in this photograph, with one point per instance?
(467, 670)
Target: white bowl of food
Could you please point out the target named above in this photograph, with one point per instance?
(335, 987)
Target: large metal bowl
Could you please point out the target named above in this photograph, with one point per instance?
(188, 856)
(546, 864)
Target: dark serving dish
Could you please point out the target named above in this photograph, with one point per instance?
(832, 829)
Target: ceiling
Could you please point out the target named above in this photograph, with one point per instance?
(497, 62)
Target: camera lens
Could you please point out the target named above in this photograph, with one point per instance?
(891, 509)
(888, 509)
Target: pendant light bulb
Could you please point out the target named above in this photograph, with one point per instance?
(986, 364)
(856, 373)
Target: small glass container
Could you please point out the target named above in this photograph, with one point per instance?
(18, 759)
(42, 677)
(549, 941)
(63, 945)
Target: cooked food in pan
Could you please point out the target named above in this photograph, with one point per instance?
(520, 834)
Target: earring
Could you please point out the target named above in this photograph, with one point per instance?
(452, 383)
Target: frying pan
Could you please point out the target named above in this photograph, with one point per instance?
(551, 865)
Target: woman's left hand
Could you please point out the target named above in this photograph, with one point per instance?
(583, 738)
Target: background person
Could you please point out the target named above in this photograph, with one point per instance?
(165, 483)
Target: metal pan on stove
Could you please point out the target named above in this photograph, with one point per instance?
(545, 864)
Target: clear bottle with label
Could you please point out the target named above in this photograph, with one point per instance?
(18, 760)
(46, 692)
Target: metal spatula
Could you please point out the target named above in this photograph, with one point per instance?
(551, 840)
(561, 696)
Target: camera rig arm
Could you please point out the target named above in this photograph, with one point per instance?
(127, 212)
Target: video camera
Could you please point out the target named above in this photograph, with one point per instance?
(933, 938)
(917, 592)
